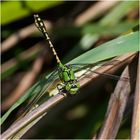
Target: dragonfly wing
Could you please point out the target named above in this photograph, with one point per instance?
(44, 84)
(78, 67)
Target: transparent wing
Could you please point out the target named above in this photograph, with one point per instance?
(78, 67)
(44, 84)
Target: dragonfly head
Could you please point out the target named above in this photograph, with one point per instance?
(72, 88)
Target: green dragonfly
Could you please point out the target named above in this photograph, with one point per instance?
(68, 79)
(64, 76)
(64, 73)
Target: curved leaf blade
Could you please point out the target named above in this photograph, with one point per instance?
(125, 44)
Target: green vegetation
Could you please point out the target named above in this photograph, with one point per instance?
(112, 33)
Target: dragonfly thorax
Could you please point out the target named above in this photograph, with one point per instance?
(66, 75)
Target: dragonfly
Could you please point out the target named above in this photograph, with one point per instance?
(65, 76)
(69, 82)
(65, 72)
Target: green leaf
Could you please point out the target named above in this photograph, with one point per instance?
(15, 10)
(122, 45)
(107, 29)
(92, 34)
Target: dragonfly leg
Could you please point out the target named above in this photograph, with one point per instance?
(60, 88)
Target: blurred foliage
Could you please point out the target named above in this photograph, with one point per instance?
(22, 9)
(80, 116)
(119, 12)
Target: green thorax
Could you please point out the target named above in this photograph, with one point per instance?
(66, 73)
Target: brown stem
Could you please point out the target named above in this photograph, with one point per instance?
(115, 109)
(135, 131)
(94, 11)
